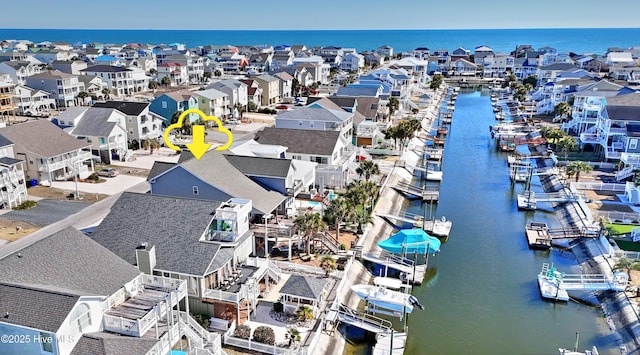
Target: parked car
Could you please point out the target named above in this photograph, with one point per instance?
(108, 172)
(282, 107)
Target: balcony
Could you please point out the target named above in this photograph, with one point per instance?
(61, 162)
(295, 190)
(589, 138)
(630, 158)
(136, 311)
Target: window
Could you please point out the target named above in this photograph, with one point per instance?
(633, 144)
(46, 342)
(195, 190)
(80, 317)
(164, 104)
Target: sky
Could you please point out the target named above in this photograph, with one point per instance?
(324, 14)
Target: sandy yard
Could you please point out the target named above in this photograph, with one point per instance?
(11, 230)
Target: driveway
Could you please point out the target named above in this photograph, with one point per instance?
(46, 212)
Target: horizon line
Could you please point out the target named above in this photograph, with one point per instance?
(321, 29)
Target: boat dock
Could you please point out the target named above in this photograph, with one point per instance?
(390, 343)
(529, 199)
(407, 268)
(540, 236)
(405, 217)
(426, 193)
(358, 319)
(559, 282)
(438, 227)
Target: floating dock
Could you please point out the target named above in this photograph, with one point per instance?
(426, 193)
(554, 284)
(390, 343)
(540, 236)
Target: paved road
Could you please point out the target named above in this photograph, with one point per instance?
(111, 186)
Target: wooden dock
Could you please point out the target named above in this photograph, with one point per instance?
(426, 193)
(540, 236)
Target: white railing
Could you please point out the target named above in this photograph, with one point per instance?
(630, 158)
(121, 326)
(164, 282)
(223, 295)
(254, 345)
(624, 173)
(116, 298)
(166, 341)
(631, 255)
(613, 216)
(599, 186)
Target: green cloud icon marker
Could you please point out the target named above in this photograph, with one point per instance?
(197, 146)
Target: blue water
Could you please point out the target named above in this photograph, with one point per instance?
(564, 40)
(484, 297)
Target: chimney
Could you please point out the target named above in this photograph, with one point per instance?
(146, 258)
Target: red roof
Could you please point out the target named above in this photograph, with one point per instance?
(171, 64)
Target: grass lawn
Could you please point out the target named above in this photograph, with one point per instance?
(627, 245)
(619, 229)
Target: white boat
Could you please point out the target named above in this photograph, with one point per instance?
(593, 351)
(434, 175)
(387, 299)
(549, 281)
(390, 283)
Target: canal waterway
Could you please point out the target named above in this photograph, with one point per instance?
(484, 298)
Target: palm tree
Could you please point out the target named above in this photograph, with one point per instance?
(393, 105)
(304, 313)
(567, 144)
(602, 224)
(153, 85)
(82, 95)
(367, 168)
(340, 210)
(175, 117)
(105, 92)
(153, 71)
(328, 264)
(363, 217)
(551, 133)
(577, 167)
(562, 109)
(308, 224)
(293, 334)
(626, 265)
(166, 81)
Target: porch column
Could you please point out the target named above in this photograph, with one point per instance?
(290, 246)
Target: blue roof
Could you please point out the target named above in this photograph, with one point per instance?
(395, 243)
(106, 58)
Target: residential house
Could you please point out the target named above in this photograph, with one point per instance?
(480, 52)
(69, 66)
(49, 153)
(19, 70)
(328, 148)
(175, 72)
(372, 59)
(421, 53)
(270, 89)
(63, 87)
(286, 85)
(140, 80)
(352, 62)
(463, 67)
(212, 102)
(87, 300)
(211, 255)
(322, 115)
(619, 58)
(497, 65)
(13, 56)
(13, 187)
(260, 62)
(550, 72)
(93, 85)
(232, 61)
(360, 90)
(442, 60)
(306, 291)
(385, 51)
(414, 67)
(590, 98)
(254, 92)
(171, 102)
(281, 59)
(624, 72)
(119, 80)
(109, 60)
(193, 65)
(48, 56)
(31, 102)
(460, 53)
(105, 129)
(236, 90)
(7, 93)
(140, 124)
(591, 64)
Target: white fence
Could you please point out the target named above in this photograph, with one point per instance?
(599, 186)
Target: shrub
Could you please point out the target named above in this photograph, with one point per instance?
(264, 335)
(94, 177)
(202, 319)
(242, 331)
(26, 205)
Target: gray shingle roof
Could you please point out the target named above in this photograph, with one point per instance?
(259, 166)
(623, 113)
(68, 260)
(158, 168)
(95, 123)
(35, 308)
(173, 225)
(126, 107)
(559, 66)
(217, 171)
(102, 68)
(357, 91)
(42, 138)
(304, 286)
(6, 161)
(4, 141)
(301, 141)
(101, 343)
(315, 113)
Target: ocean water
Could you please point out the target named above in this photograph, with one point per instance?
(503, 40)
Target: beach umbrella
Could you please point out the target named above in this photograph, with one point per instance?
(415, 241)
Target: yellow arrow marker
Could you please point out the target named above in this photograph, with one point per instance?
(198, 147)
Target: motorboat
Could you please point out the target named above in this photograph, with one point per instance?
(385, 298)
(390, 283)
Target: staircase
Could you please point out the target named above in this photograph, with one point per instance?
(625, 173)
(328, 241)
(204, 341)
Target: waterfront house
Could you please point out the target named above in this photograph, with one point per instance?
(463, 67)
(591, 64)
(619, 58)
(270, 86)
(416, 68)
(306, 291)
(105, 130)
(119, 80)
(480, 53)
(49, 153)
(175, 72)
(385, 51)
(421, 53)
(550, 73)
(73, 305)
(497, 65)
(19, 70)
(171, 102)
(352, 62)
(32, 102)
(460, 53)
(212, 102)
(140, 124)
(334, 154)
(213, 178)
(321, 114)
(589, 100)
(63, 87)
(443, 59)
(93, 86)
